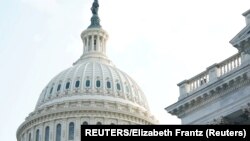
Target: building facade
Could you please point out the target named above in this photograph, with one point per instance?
(92, 91)
(220, 94)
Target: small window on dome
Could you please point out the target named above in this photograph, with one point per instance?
(87, 84)
(51, 90)
(98, 83)
(108, 85)
(98, 123)
(127, 89)
(59, 87)
(77, 84)
(118, 86)
(67, 85)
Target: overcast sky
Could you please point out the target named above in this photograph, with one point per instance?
(159, 43)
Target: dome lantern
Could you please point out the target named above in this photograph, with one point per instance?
(94, 38)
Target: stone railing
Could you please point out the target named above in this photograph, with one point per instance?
(212, 74)
(199, 80)
(229, 64)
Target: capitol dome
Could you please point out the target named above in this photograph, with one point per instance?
(92, 91)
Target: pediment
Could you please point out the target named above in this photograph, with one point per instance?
(241, 36)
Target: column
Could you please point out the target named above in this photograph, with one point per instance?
(77, 129)
(64, 130)
(87, 47)
(104, 44)
(32, 131)
(52, 131)
(98, 43)
(101, 43)
(41, 136)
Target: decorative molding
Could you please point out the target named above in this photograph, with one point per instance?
(212, 94)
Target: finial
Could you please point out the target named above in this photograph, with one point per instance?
(95, 20)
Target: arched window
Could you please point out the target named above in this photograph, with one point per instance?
(108, 85)
(59, 87)
(47, 133)
(87, 83)
(112, 124)
(118, 86)
(85, 123)
(98, 123)
(37, 135)
(71, 130)
(98, 83)
(51, 90)
(29, 136)
(67, 85)
(58, 132)
(77, 84)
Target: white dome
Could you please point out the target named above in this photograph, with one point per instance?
(92, 79)
(92, 91)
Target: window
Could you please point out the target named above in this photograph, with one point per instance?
(29, 136)
(37, 135)
(58, 132)
(87, 83)
(67, 85)
(47, 133)
(85, 123)
(127, 89)
(71, 131)
(51, 90)
(98, 83)
(95, 44)
(112, 124)
(108, 85)
(59, 87)
(98, 123)
(118, 86)
(77, 84)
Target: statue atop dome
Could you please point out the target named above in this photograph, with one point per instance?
(95, 7)
(95, 20)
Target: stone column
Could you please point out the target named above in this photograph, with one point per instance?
(98, 48)
(77, 129)
(92, 42)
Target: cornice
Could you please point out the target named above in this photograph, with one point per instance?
(210, 95)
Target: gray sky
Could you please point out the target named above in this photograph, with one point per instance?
(159, 43)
